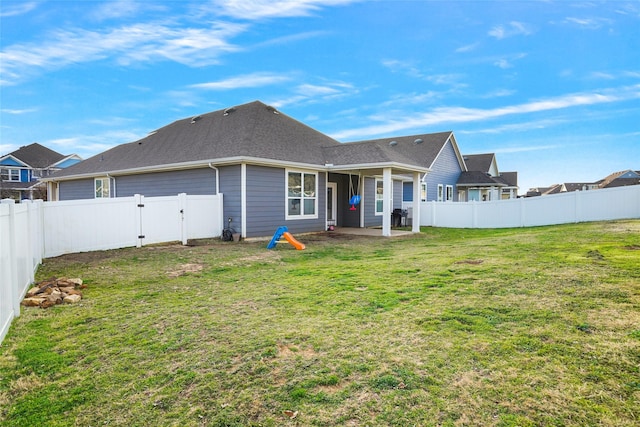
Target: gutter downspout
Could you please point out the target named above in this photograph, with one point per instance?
(217, 177)
(115, 193)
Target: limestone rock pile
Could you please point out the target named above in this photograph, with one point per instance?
(50, 292)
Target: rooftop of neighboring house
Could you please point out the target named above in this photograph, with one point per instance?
(36, 156)
(479, 162)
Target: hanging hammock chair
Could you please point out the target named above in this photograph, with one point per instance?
(354, 198)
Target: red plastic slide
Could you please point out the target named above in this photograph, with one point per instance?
(292, 240)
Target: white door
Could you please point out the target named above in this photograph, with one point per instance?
(332, 203)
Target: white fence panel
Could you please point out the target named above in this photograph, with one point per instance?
(20, 254)
(204, 217)
(498, 213)
(161, 219)
(579, 206)
(89, 225)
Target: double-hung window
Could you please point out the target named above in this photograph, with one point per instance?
(449, 193)
(10, 175)
(102, 187)
(302, 195)
(423, 191)
(440, 192)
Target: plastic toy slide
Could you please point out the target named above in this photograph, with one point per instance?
(292, 240)
(283, 232)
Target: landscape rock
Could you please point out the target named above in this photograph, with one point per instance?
(50, 292)
(72, 299)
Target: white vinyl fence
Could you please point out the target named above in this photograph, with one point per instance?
(21, 252)
(564, 208)
(30, 231)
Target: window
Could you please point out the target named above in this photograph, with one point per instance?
(10, 175)
(449, 193)
(302, 190)
(102, 186)
(440, 192)
(423, 191)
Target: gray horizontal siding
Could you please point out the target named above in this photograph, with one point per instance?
(370, 217)
(190, 181)
(230, 187)
(76, 190)
(266, 203)
(346, 217)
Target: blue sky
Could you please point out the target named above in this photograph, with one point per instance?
(551, 87)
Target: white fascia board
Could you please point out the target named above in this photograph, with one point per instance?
(191, 165)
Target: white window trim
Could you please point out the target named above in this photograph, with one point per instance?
(440, 192)
(104, 180)
(375, 190)
(10, 173)
(302, 197)
(449, 193)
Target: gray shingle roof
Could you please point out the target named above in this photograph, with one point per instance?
(37, 156)
(468, 178)
(403, 150)
(249, 130)
(253, 131)
(478, 162)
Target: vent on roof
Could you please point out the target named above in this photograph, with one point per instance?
(195, 119)
(152, 132)
(418, 141)
(393, 143)
(229, 111)
(272, 109)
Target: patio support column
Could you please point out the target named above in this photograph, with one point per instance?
(387, 194)
(417, 201)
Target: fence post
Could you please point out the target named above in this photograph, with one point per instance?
(433, 213)
(30, 233)
(13, 261)
(138, 200)
(523, 215)
(182, 205)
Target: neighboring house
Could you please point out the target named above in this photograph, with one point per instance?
(21, 170)
(616, 179)
(620, 179)
(272, 170)
(482, 180)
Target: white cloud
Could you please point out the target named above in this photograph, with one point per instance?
(19, 111)
(588, 23)
(260, 9)
(467, 48)
(16, 9)
(448, 115)
(244, 81)
(126, 45)
(514, 28)
(88, 145)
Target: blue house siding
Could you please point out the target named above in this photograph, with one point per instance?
(446, 171)
(230, 187)
(266, 203)
(11, 162)
(67, 163)
(190, 181)
(76, 190)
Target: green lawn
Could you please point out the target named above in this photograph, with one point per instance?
(517, 327)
